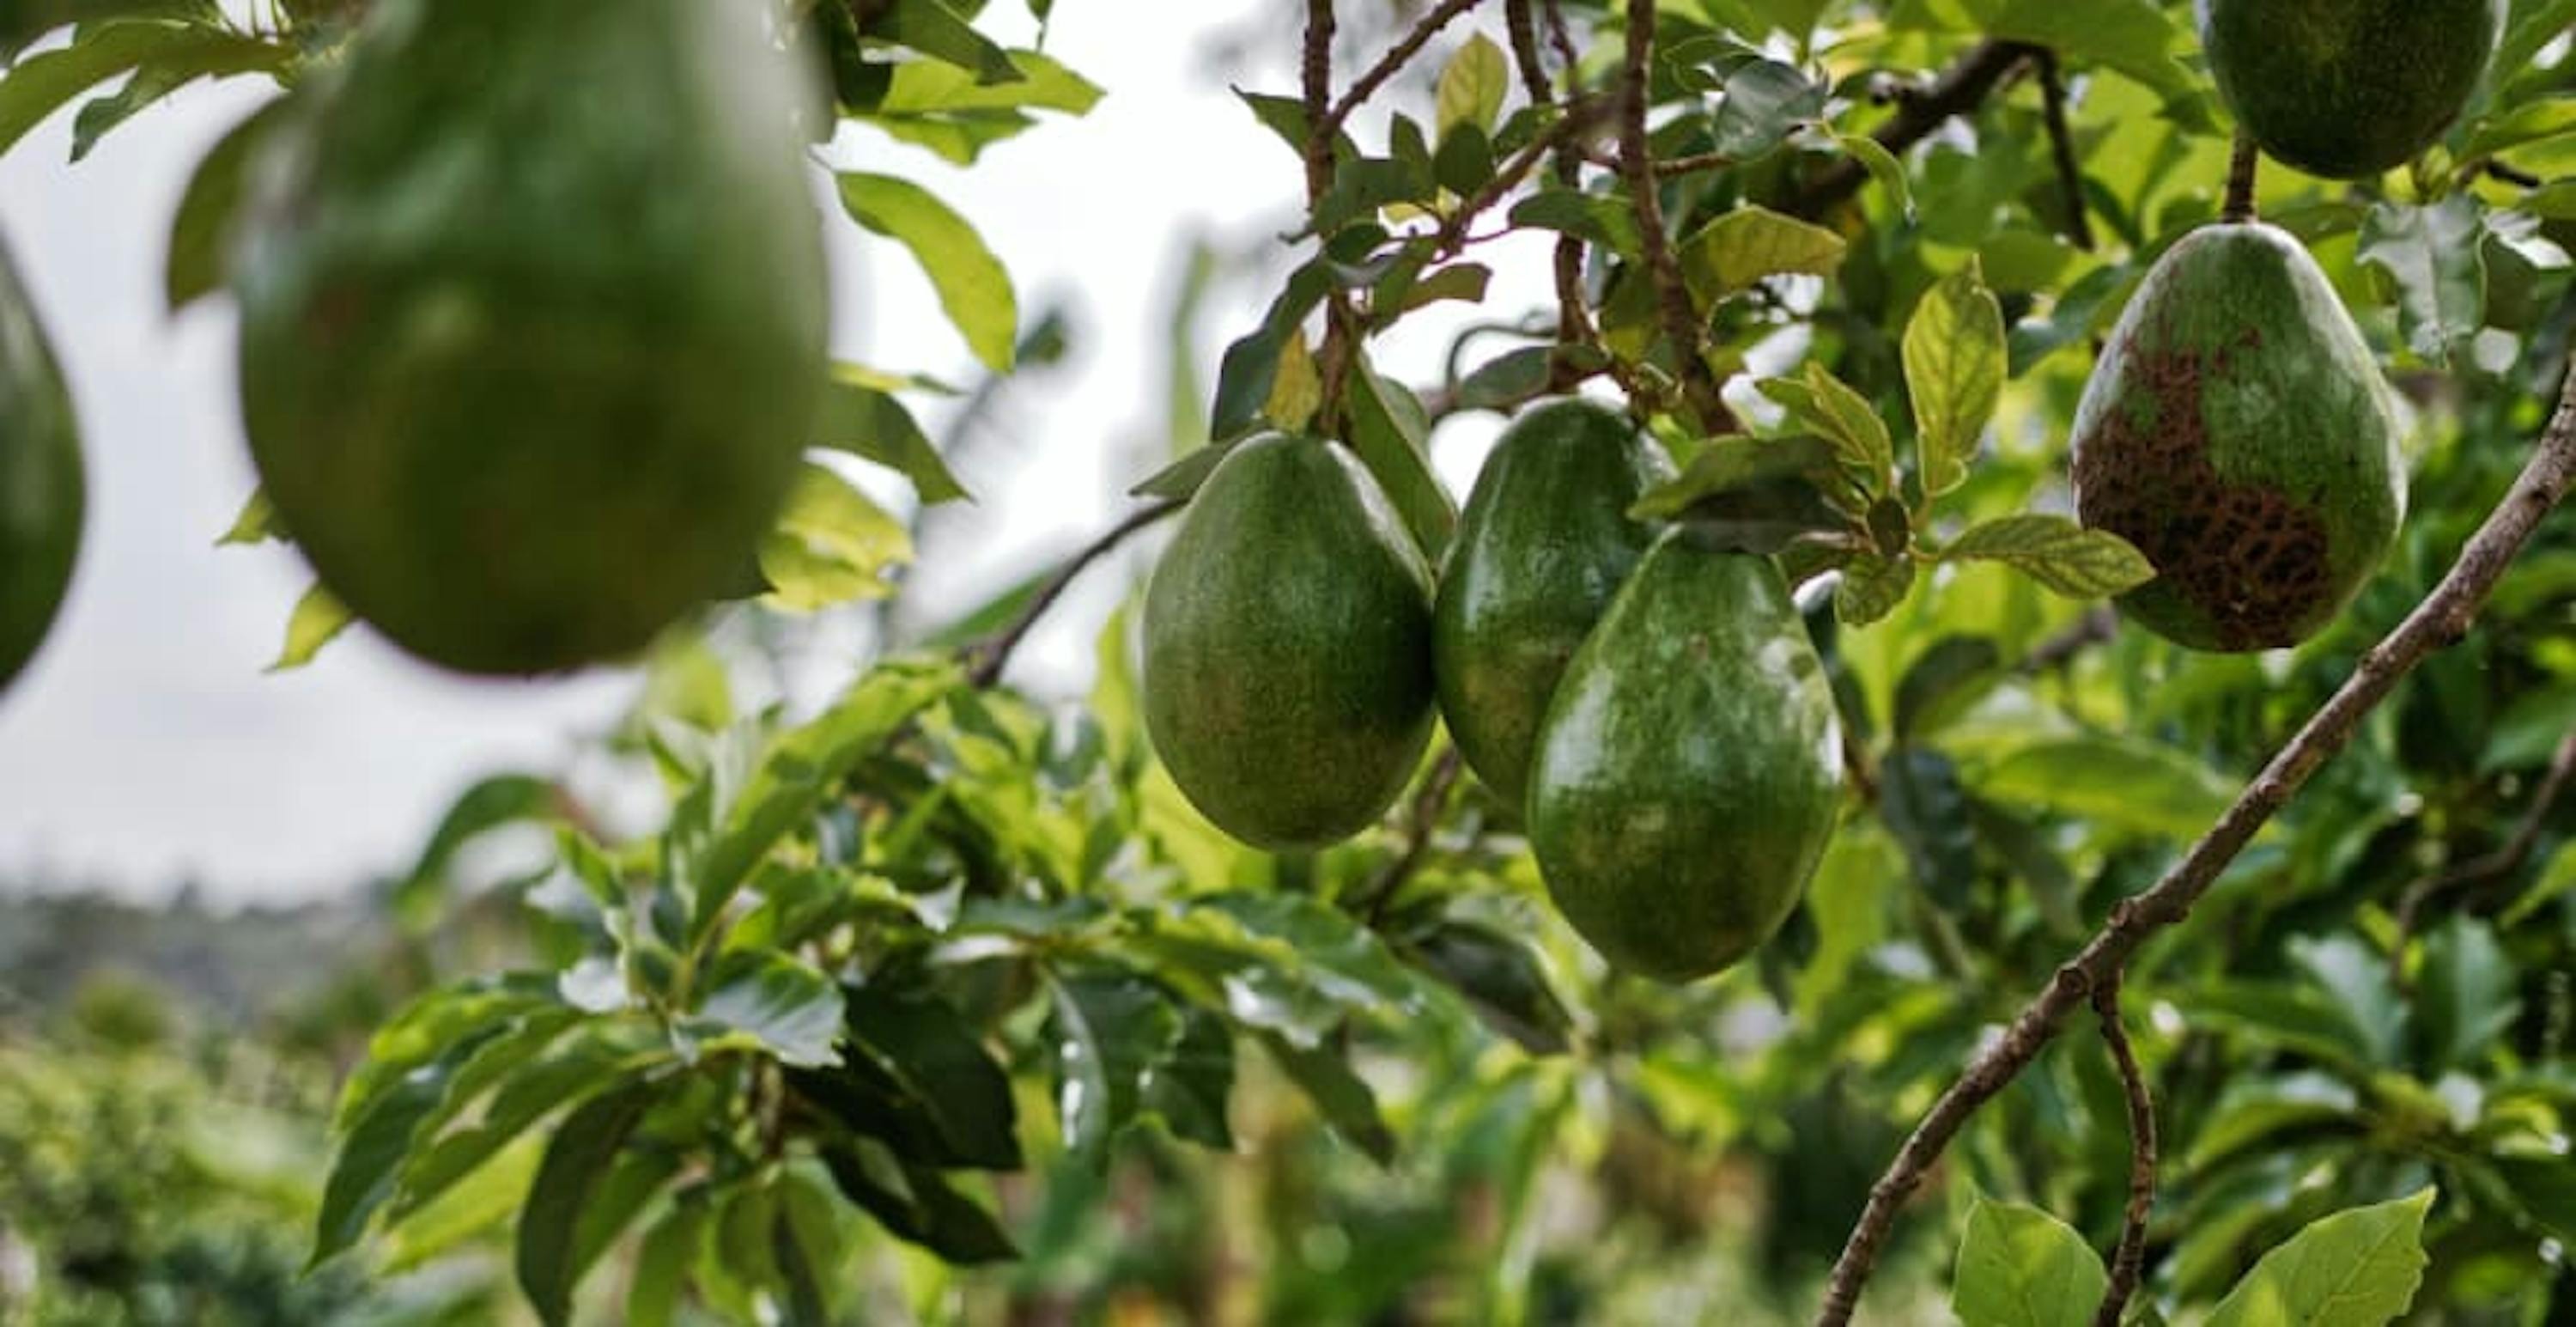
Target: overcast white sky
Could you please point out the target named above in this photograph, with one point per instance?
(146, 747)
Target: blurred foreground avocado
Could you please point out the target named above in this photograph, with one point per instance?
(533, 319)
(41, 487)
(1287, 634)
(1689, 771)
(2237, 430)
(1545, 542)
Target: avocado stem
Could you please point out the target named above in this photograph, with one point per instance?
(2242, 167)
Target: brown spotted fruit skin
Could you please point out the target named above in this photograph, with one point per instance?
(2238, 431)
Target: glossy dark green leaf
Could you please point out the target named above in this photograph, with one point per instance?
(1251, 365)
(1764, 101)
(40, 84)
(1392, 437)
(917, 1205)
(1925, 807)
(2466, 992)
(1194, 1086)
(1944, 680)
(935, 28)
(1725, 465)
(1502, 979)
(786, 1008)
(577, 1163)
(1110, 1030)
(1347, 1102)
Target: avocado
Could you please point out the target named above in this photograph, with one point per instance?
(1689, 769)
(1544, 542)
(2239, 433)
(41, 487)
(2347, 89)
(533, 314)
(1288, 647)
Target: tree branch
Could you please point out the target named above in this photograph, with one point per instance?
(1956, 91)
(1396, 57)
(1573, 320)
(1323, 126)
(2130, 1257)
(2242, 166)
(2443, 618)
(991, 655)
(2503, 861)
(2061, 142)
(1682, 322)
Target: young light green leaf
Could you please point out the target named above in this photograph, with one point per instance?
(318, 619)
(1751, 242)
(936, 29)
(2357, 1268)
(257, 523)
(1954, 370)
(1296, 389)
(578, 1160)
(1828, 407)
(1472, 87)
(2057, 553)
(831, 546)
(1882, 166)
(2021, 1267)
(942, 107)
(2432, 257)
(973, 287)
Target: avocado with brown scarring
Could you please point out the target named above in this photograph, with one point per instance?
(2238, 431)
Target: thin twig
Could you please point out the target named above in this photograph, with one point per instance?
(2504, 861)
(1956, 91)
(1683, 325)
(2061, 141)
(2130, 1257)
(2242, 166)
(1322, 128)
(1573, 318)
(1577, 121)
(1396, 57)
(2441, 619)
(992, 654)
(1692, 163)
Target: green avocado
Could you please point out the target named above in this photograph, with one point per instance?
(1689, 769)
(2348, 89)
(2238, 432)
(41, 489)
(533, 314)
(1544, 542)
(1288, 647)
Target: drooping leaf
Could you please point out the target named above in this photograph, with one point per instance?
(1111, 1032)
(1502, 979)
(41, 84)
(866, 421)
(917, 1204)
(972, 286)
(1954, 371)
(1764, 101)
(1346, 1100)
(201, 230)
(577, 1162)
(1724, 465)
(1392, 437)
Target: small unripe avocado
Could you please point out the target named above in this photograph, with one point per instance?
(1689, 769)
(1544, 543)
(2348, 89)
(533, 320)
(2238, 431)
(1287, 635)
(41, 487)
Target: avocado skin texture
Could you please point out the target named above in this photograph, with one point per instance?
(2347, 89)
(533, 319)
(1288, 647)
(1544, 543)
(2239, 433)
(42, 492)
(1689, 770)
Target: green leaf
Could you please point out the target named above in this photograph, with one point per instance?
(916, 1204)
(1765, 101)
(662, 1265)
(1828, 407)
(770, 1000)
(1111, 1032)
(201, 231)
(868, 422)
(2557, 878)
(2433, 260)
(527, 1093)
(372, 1154)
(945, 108)
(318, 619)
(1250, 370)
(1872, 587)
(2057, 553)
(2532, 25)
(1472, 87)
(1882, 166)
(2021, 1267)
(1503, 980)
(2251, 1111)
(973, 287)
(1749, 243)
(1603, 219)
(1724, 465)
(1513, 376)
(808, 765)
(2358, 1268)
(916, 1076)
(1954, 370)
(41, 84)
(935, 28)
(489, 804)
(256, 524)
(166, 72)
(1192, 1088)
(1392, 438)
(2077, 310)
(2133, 36)
(2132, 784)
(570, 1178)
(1346, 1100)
(831, 546)
(2467, 992)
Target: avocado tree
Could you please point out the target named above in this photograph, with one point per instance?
(1978, 556)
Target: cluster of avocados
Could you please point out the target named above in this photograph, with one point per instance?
(2237, 429)
(1655, 707)
(533, 319)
